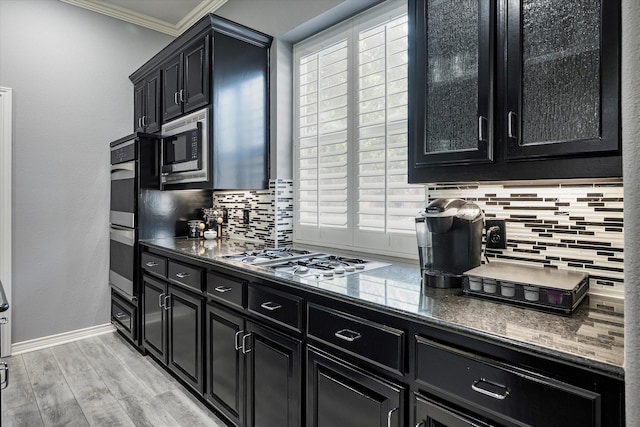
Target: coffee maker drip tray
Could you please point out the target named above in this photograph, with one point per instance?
(542, 288)
(442, 279)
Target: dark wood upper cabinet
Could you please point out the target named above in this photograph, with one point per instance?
(562, 73)
(186, 79)
(196, 75)
(224, 67)
(451, 80)
(146, 104)
(138, 106)
(514, 89)
(171, 83)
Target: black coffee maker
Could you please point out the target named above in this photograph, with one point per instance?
(449, 233)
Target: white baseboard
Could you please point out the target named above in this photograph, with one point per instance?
(63, 338)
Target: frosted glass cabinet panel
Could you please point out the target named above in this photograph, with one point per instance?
(559, 90)
(513, 90)
(454, 90)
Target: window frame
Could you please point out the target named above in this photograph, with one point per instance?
(380, 242)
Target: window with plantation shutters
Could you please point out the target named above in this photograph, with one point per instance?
(322, 152)
(350, 129)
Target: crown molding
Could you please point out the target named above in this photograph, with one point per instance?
(206, 6)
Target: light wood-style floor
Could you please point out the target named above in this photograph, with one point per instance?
(98, 381)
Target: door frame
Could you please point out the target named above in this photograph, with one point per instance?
(6, 121)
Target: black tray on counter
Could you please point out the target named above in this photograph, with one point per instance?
(548, 289)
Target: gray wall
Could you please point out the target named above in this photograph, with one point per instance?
(631, 160)
(69, 69)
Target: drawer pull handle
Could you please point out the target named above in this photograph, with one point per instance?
(151, 264)
(182, 275)
(348, 335)
(237, 340)
(389, 414)
(476, 387)
(120, 315)
(222, 289)
(420, 423)
(167, 306)
(271, 306)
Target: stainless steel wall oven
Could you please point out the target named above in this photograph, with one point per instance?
(141, 210)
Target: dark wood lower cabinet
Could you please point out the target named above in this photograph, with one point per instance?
(172, 329)
(432, 414)
(273, 378)
(253, 372)
(185, 336)
(267, 365)
(225, 363)
(342, 395)
(154, 323)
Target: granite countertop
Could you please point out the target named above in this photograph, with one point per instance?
(591, 337)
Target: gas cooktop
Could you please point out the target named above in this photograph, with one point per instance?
(305, 263)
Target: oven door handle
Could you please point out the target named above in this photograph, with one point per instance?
(122, 171)
(122, 235)
(5, 382)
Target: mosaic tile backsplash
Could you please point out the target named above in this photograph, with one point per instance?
(270, 213)
(569, 225)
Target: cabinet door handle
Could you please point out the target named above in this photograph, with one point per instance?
(182, 275)
(151, 264)
(348, 335)
(166, 305)
(476, 387)
(222, 289)
(144, 121)
(161, 299)
(139, 122)
(481, 133)
(270, 305)
(181, 95)
(510, 124)
(420, 423)
(5, 382)
(236, 343)
(175, 98)
(389, 415)
(244, 346)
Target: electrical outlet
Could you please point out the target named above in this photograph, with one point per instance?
(245, 216)
(496, 234)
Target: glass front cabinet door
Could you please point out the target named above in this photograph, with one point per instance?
(514, 89)
(453, 81)
(562, 77)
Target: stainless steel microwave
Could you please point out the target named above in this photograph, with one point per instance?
(185, 149)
